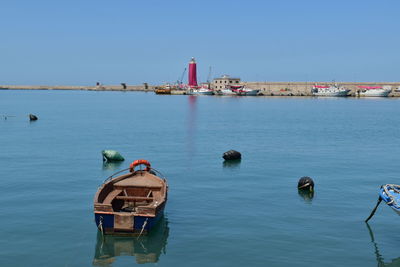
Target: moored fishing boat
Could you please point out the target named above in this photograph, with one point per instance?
(132, 202)
(227, 91)
(243, 91)
(164, 90)
(333, 90)
(376, 91)
(199, 91)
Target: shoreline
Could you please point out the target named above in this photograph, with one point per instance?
(285, 89)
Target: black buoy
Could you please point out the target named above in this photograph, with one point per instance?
(32, 117)
(306, 183)
(232, 155)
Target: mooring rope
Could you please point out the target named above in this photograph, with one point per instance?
(101, 225)
(143, 226)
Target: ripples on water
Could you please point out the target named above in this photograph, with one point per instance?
(246, 213)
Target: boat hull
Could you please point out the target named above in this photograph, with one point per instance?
(162, 92)
(109, 222)
(249, 93)
(332, 94)
(393, 199)
(375, 93)
(226, 92)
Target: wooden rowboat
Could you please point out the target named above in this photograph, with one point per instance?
(162, 91)
(132, 202)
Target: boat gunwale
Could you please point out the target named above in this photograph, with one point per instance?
(110, 182)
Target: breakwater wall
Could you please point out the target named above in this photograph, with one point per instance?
(304, 88)
(144, 87)
(267, 88)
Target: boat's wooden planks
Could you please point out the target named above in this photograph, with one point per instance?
(134, 198)
(111, 196)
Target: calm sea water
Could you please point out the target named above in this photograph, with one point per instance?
(245, 214)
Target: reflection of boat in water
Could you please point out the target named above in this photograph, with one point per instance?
(378, 255)
(145, 248)
(132, 202)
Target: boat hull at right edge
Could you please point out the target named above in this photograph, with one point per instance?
(370, 91)
(376, 93)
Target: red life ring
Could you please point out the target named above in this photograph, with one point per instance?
(139, 162)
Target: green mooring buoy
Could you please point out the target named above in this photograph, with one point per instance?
(112, 155)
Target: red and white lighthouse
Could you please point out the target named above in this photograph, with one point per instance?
(192, 73)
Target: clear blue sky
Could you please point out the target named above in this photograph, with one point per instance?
(75, 42)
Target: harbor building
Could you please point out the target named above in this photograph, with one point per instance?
(223, 81)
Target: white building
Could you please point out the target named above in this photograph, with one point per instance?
(223, 81)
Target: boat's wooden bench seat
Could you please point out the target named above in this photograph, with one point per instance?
(146, 182)
(111, 196)
(139, 186)
(134, 198)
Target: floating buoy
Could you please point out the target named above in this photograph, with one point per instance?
(306, 183)
(32, 117)
(232, 155)
(112, 155)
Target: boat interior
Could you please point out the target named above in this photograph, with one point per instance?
(137, 192)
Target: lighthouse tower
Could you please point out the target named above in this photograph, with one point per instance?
(192, 73)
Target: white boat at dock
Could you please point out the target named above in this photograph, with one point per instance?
(232, 90)
(226, 91)
(247, 91)
(374, 91)
(332, 90)
(199, 91)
